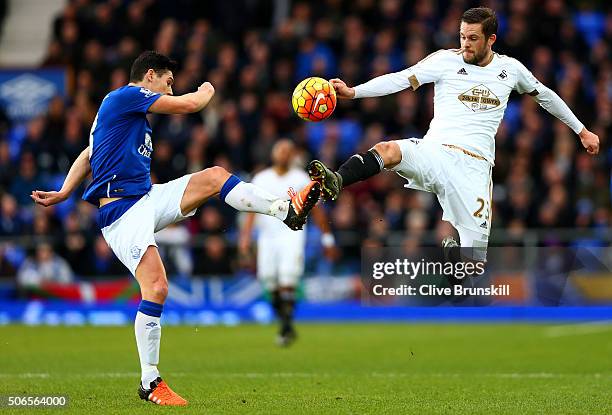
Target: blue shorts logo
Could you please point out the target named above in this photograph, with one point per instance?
(135, 251)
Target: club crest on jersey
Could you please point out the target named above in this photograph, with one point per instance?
(479, 98)
(503, 75)
(147, 148)
(135, 251)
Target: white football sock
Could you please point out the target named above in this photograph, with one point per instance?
(148, 335)
(247, 197)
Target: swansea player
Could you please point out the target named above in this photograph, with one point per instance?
(280, 252)
(455, 158)
(131, 209)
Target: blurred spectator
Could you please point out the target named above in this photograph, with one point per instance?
(10, 222)
(45, 266)
(7, 269)
(214, 258)
(26, 180)
(104, 262)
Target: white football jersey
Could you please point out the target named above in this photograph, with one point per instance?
(278, 185)
(469, 100)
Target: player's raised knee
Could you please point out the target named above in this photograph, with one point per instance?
(390, 152)
(218, 175)
(211, 178)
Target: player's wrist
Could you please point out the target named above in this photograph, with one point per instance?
(63, 194)
(328, 240)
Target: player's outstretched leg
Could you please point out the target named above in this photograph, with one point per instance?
(246, 197)
(358, 167)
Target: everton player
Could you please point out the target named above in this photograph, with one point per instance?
(131, 209)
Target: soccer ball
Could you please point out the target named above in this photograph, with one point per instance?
(314, 99)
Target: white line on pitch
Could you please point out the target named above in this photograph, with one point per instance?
(579, 329)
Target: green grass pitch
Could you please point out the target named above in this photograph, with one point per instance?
(332, 369)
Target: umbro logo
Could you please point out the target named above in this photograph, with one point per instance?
(151, 324)
(462, 71)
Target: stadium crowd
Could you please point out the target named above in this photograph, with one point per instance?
(254, 53)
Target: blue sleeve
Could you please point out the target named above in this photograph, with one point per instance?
(138, 99)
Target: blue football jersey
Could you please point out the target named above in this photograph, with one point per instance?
(120, 145)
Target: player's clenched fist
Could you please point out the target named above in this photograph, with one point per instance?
(206, 86)
(590, 141)
(342, 90)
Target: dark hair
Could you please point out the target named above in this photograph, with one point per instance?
(150, 60)
(482, 15)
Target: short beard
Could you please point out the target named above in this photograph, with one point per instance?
(476, 59)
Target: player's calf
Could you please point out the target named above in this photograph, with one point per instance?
(357, 168)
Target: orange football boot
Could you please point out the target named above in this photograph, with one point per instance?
(161, 394)
(301, 204)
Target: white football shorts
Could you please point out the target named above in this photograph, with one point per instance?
(461, 181)
(280, 260)
(131, 234)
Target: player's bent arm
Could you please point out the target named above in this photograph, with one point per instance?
(552, 103)
(184, 104)
(79, 170)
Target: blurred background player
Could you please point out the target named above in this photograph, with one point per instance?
(455, 158)
(131, 209)
(280, 253)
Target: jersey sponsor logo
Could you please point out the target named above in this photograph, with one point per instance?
(479, 98)
(503, 75)
(147, 148)
(462, 71)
